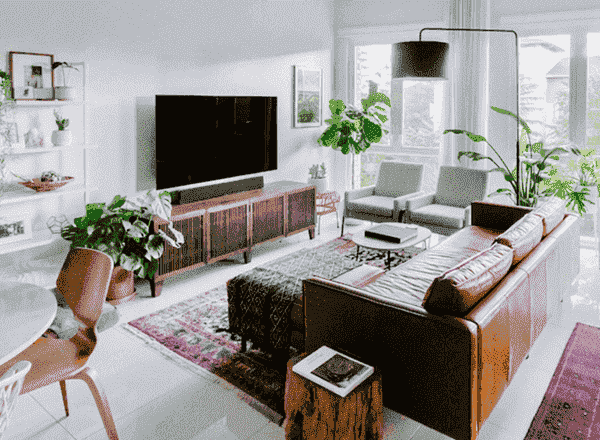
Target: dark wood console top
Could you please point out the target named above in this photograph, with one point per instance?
(199, 208)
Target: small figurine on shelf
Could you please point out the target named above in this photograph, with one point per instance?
(33, 139)
(62, 136)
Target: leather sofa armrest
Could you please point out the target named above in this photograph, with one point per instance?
(420, 201)
(496, 216)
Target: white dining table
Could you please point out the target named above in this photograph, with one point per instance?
(26, 312)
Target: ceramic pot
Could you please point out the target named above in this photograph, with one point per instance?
(321, 184)
(62, 137)
(121, 288)
(64, 93)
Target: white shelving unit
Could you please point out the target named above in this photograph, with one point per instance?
(14, 194)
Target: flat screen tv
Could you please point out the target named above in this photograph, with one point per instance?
(205, 138)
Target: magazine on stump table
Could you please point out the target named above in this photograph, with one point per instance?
(336, 372)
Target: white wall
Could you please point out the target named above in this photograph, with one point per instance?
(135, 50)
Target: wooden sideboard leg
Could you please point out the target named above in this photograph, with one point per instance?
(311, 233)
(156, 287)
(247, 257)
(244, 345)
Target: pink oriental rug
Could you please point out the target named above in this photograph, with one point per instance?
(569, 409)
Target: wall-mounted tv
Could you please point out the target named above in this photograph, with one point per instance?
(205, 138)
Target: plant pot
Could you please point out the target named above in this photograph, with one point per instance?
(121, 288)
(64, 93)
(62, 137)
(321, 184)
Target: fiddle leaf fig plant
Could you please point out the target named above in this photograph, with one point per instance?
(123, 230)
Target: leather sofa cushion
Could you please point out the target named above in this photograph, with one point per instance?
(552, 212)
(377, 205)
(523, 236)
(459, 289)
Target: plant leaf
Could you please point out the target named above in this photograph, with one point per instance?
(521, 120)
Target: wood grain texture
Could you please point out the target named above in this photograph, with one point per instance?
(315, 413)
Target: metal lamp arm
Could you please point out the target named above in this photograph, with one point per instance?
(517, 83)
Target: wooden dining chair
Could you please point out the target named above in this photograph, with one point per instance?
(10, 387)
(83, 281)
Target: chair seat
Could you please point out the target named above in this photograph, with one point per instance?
(377, 205)
(442, 215)
(51, 360)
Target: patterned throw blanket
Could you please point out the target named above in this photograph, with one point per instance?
(261, 300)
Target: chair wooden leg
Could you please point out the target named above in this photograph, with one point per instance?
(63, 390)
(89, 376)
(343, 218)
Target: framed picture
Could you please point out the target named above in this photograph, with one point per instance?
(14, 227)
(31, 76)
(308, 97)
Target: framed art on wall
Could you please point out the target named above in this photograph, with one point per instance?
(14, 227)
(308, 96)
(31, 76)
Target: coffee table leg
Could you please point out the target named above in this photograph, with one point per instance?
(357, 247)
(389, 260)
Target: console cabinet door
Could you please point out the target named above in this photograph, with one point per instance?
(227, 231)
(191, 252)
(268, 219)
(301, 210)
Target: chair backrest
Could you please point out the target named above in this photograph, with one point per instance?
(11, 383)
(83, 281)
(458, 186)
(397, 179)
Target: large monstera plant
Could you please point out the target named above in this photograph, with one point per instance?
(122, 230)
(353, 130)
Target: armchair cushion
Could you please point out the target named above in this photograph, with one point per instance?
(460, 186)
(442, 215)
(378, 205)
(359, 193)
(523, 236)
(459, 289)
(396, 179)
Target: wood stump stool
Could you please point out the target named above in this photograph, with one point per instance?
(314, 412)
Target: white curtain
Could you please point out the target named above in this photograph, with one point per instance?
(468, 105)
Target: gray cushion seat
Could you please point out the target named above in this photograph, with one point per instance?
(373, 204)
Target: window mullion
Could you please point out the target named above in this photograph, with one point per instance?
(578, 87)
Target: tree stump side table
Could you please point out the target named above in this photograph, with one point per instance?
(314, 412)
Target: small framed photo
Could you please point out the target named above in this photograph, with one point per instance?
(31, 76)
(14, 228)
(308, 97)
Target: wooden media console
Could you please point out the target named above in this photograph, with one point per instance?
(219, 228)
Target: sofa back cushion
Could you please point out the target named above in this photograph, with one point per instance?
(456, 291)
(523, 236)
(552, 213)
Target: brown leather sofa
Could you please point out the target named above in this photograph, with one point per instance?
(450, 327)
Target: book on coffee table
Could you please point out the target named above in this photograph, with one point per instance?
(392, 234)
(332, 370)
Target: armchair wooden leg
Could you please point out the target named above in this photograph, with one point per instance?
(89, 376)
(343, 218)
(63, 390)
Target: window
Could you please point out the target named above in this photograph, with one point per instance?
(544, 87)
(416, 117)
(593, 91)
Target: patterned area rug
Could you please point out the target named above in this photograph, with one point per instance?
(569, 409)
(188, 333)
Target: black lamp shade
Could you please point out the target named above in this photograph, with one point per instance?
(419, 59)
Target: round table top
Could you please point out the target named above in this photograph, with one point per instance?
(382, 245)
(26, 312)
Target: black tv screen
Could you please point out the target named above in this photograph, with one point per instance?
(205, 138)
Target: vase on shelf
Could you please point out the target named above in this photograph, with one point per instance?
(64, 93)
(62, 138)
(121, 288)
(322, 184)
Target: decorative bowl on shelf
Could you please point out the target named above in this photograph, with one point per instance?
(39, 186)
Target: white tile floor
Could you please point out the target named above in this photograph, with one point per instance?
(152, 398)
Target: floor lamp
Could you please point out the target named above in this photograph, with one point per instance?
(427, 60)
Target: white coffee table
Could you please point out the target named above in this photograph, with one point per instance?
(381, 245)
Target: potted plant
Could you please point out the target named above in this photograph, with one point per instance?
(318, 177)
(352, 130)
(535, 163)
(65, 92)
(123, 230)
(62, 136)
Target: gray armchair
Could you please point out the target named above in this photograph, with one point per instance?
(449, 208)
(385, 201)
